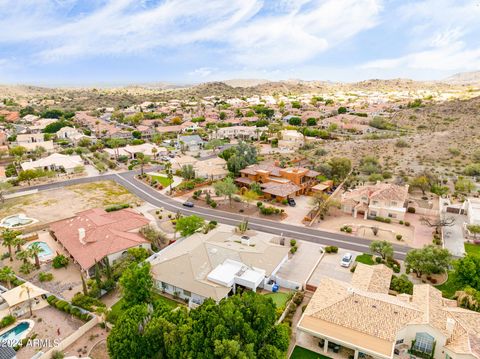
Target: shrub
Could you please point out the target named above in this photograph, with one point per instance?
(61, 304)
(399, 237)
(378, 260)
(60, 261)
(117, 207)
(26, 268)
(383, 220)
(45, 276)
(353, 268)
(57, 355)
(284, 201)
(401, 222)
(407, 224)
(84, 301)
(293, 249)
(293, 242)
(348, 229)
(259, 204)
(331, 249)
(411, 209)
(6, 321)
(213, 204)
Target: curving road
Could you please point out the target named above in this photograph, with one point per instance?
(148, 194)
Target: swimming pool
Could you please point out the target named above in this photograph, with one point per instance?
(46, 250)
(13, 336)
(17, 220)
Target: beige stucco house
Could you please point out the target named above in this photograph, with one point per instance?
(379, 200)
(363, 317)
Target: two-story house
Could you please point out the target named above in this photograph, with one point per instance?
(378, 200)
(279, 183)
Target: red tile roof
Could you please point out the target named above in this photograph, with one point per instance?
(105, 233)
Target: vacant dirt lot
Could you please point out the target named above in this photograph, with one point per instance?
(62, 203)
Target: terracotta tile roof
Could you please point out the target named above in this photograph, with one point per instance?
(280, 189)
(93, 234)
(379, 191)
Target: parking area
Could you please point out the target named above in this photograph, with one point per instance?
(300, 265)
(330, 267)
(453, 236)
(295, 215)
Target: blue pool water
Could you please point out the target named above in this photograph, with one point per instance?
(15, 334)
(46, 250)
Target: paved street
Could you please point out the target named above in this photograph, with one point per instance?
(148, 194)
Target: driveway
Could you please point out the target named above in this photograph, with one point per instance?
(298, 268)
(295, 215)
(453, 236)
(330, 267)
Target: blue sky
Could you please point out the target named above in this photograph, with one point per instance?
(95, 42)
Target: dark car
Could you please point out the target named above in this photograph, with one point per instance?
(188, 204)
(291, 202)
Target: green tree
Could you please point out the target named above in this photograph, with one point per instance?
(474, 229)
(187, 172)
(383, 248)
(7, 275)
(17, 151)
(428, 260)
(422, 183)
(226, 188)
(464, 185)
(401, 284)
(9, 238)
(250, 196)
(189, 224)
(142, 161)
(340, 167)
(136, 283)
(468, 271)
(342, 110)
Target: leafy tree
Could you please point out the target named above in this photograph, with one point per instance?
(189, 224)
(226, 188)
(136, 283)
(401, 284)
(468, 271)
(428, 260)
(29, 175)
(187, 172)
(370, 165)
(464, 185)
(311, 121)
(250, 196)
(340, 167)
(238, 157)
(383, 248)
(422, 183)
(54, 127)
(322, 203)
(9, 237)
(474, 228)
(342, 110)
(17, 151)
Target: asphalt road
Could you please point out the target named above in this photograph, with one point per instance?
(148, 194)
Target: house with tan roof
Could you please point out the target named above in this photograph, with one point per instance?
(276, 182)
(215, 264)
(362, 317)
(94, 234)
(211, 168)
(55, 162)
(379, 200)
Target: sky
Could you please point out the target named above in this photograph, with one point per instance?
(113, 42)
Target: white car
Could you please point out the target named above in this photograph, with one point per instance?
(347, 260)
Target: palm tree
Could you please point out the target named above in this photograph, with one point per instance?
(142, 161)
(26, 288)
(35, 250)
(24, 255)
(19, 242)
(168, 170)
(7, 275)
(9, 237)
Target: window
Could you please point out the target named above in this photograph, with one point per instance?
(373, 213)
(399, 341)
(391, 215)
(164, 285)
(424, 343)
(394, 204)
(375, 203)
(187, 293)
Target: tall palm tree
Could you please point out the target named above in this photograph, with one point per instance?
(35, 250)
(24, 255)
(9, 237)
(7, 275)
(142, 161)
(19, 242)
(26, 288)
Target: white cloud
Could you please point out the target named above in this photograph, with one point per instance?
(202, 72)
(440, 37)
(294, 31)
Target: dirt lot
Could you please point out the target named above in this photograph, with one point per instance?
(49, 206)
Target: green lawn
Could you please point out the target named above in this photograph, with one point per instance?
(472, 249)
(302, 353)
(280, 299)
(365, 258)
(450, 286)
(164, 181)
(117, 307)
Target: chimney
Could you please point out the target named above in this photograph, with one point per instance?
(81, 235)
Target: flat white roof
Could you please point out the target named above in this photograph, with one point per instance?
(226, 273)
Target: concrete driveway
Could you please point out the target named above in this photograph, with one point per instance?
(330, 267)
(295, 215)
(453, 236)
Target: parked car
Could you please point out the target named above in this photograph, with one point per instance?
(291, 202)
(347, 260)
(188, 204)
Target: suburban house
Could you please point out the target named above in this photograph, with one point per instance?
(30, 138)
(363, 317)
(239, 132)
(39, 124)
(291, 139)
(92, 235)
(279, 183)
(215, 264)
(471, 207)
(131, 151)
(55, 162)
(378, 200)
(212, 168)
(70, 133)
(48, 146)
(15, 301)
(190, 143)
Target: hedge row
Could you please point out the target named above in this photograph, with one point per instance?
(66, 307)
